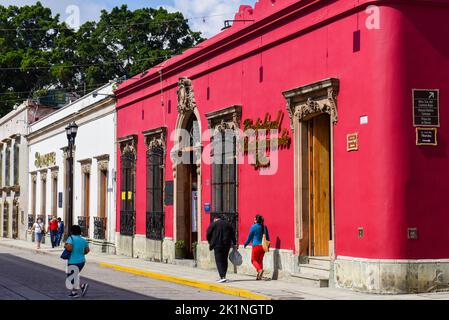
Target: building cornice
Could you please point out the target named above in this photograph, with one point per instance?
(62, 122)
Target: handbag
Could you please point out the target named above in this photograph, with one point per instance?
(65, 255)
(235, 257)
(265, 242)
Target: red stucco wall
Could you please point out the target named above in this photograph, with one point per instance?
(387, 186)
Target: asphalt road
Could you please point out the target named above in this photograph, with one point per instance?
(25, 275)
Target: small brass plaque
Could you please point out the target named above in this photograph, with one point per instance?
(352, 142)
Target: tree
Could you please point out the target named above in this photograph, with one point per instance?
(38, 52)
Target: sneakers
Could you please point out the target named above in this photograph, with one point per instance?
(74, 295)
(84, 288)
(222, 280)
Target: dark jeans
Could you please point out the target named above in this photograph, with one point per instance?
(53, 236)
(80, 267)
(58, 239)
(221, 259)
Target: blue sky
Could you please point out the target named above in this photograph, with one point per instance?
(213, 11)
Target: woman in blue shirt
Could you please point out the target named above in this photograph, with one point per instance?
(78, 248)
(255, 237)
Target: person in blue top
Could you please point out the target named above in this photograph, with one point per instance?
(255, 237)
(78, 248)
(60, 232)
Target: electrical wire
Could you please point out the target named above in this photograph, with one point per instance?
(83, 65)
(165, 21)
(34, 98)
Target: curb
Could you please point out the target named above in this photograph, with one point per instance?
(40, 251)
(189, 282)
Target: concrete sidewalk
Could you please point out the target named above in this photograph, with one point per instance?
(239, 285)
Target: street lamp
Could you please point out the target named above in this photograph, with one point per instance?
(71, 131)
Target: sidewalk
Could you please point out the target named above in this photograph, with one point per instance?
(239, 285)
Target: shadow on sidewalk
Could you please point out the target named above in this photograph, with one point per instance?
(50, 282)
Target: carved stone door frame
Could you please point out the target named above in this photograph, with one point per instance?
(186, 108)
(304, 103)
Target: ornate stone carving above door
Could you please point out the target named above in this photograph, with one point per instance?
(306, 101)
(186, 96)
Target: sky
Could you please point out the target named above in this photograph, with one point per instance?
(206, 16)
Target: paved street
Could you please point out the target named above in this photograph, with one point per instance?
(26, 275)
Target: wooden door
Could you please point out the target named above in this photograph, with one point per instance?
(319, 194)
(183, 194)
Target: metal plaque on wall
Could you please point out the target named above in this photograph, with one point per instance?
(60, 200)
(426, 111)
(169, 193)
(426, 136)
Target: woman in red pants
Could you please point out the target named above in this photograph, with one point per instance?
(255, 237)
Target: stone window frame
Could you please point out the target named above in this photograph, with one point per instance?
(54, 175)
(228, 118)
(102, 168)
(128, 147)
(154, 139)
(86, 170)
(43, 193)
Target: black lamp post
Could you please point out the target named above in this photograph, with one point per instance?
(71, 131)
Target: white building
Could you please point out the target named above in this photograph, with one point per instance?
(94, 166)
(14, 167)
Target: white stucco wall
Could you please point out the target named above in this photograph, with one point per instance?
(95, 137)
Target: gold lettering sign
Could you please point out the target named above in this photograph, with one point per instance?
(261, 134)
(46, 160)
(352, 142)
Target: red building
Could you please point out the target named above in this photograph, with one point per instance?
(355, 189)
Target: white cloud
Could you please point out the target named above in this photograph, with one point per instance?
(208, 16)
(88, 9)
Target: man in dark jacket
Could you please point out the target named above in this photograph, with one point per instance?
(221, 236)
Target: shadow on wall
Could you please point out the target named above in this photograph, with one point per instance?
(277, 264)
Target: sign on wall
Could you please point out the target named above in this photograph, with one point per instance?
(352, 142)
(60, 200)
(169, 193)
(426, 136)
(426, 108)
(45, 160)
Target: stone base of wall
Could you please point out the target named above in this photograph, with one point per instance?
(147, 249)
(101, 246)
(278, 264)
(382, 276)
(205, 258)
(124, 245)
(168, 250)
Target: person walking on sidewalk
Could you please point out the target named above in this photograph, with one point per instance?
(53, 227)
(60, 232)
(78, 248)
(221, 236)
(255, 237)
(39, 231)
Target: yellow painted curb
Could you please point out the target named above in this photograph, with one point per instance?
(189, 282)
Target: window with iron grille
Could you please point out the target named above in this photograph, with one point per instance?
(127, 194)
(155, 184)
(224, 176)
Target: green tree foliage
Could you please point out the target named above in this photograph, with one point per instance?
(39, 52)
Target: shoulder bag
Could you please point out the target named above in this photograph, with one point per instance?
(265, 242)
(66, 253)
